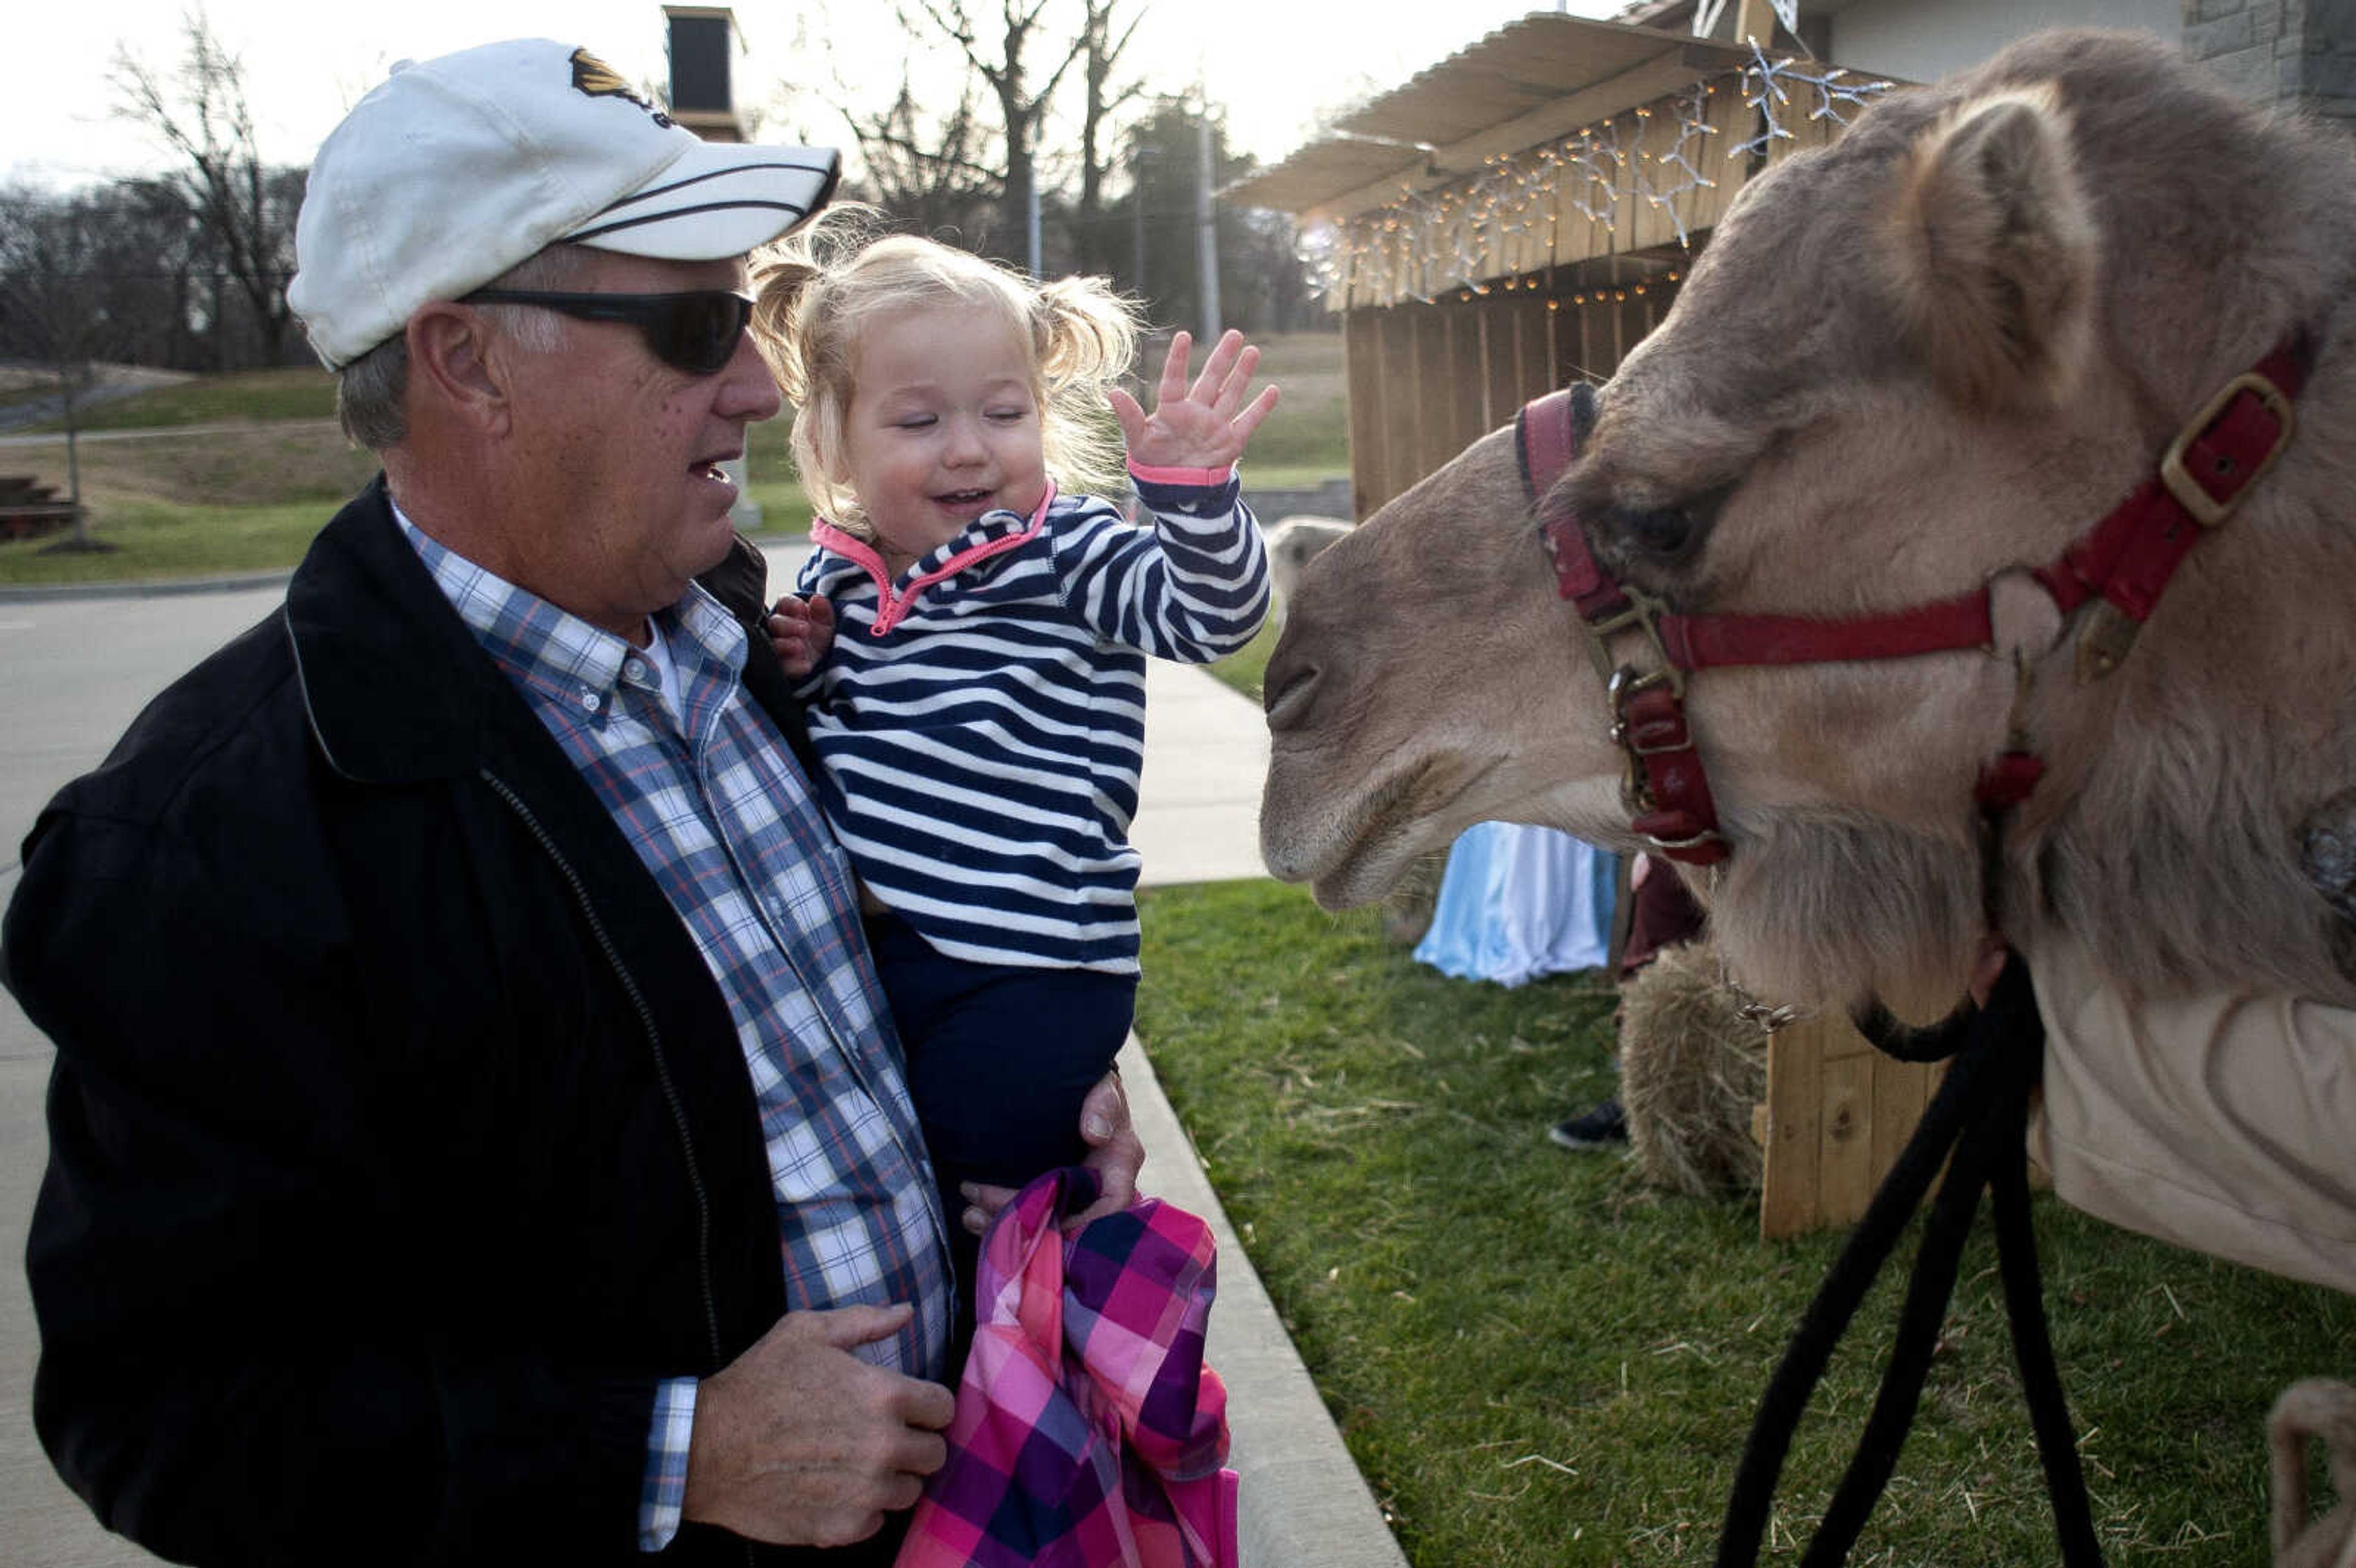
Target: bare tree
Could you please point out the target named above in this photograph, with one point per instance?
(200, 111)
(149, 254)
(1004, 65)
(51, 252)
(1103, 35)
(1264, 284)
(156, 250)
(934, 172)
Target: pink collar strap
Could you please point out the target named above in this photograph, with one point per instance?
(892, 603)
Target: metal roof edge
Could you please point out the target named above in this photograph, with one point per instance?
(1294, 185)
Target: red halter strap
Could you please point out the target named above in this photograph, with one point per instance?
(2124, 560)
(2127, 559)
(1665, 787)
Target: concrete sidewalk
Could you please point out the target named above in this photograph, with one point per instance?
(83, 664)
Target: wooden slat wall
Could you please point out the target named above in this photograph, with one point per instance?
(1837, 1113)
(1465, 345)
(1501, 361)
(1428, 380)
(1368, 402)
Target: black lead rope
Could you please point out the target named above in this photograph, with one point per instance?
(1976, 1126)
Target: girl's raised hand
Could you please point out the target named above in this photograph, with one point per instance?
(1206, 425)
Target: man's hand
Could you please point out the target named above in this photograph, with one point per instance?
(1206, 426)
(799, 1443)
(802, 631)
(1115, 1153)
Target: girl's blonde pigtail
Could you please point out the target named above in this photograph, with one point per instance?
(1085, 338)
(781, 283)
(1085, 331)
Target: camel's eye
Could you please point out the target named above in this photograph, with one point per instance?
(1583, 411)
(1669, 534)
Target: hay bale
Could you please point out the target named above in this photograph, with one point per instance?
(1691, 1067)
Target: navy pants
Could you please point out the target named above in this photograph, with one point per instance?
(1000, 1057)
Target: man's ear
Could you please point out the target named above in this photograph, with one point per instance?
(1989, 253)
(454, 361)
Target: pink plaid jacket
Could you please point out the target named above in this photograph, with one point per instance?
(1088, 1433)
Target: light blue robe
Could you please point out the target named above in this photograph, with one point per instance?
(1517, 902)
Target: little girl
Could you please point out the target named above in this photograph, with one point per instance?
(975, 635)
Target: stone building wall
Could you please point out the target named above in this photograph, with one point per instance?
(2298, 52)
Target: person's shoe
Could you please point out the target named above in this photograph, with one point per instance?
(1599, 1128)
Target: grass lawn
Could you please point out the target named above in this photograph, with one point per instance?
(153, 542)
(1536, 1359)
(173, 505)
(1308, 436)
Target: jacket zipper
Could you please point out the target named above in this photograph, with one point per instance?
(654, 1041)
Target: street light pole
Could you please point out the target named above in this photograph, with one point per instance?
(1137, 161)
(1031, 223)
(1207, 223)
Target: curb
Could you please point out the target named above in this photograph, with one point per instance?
(1300, 1498)
(51, 594)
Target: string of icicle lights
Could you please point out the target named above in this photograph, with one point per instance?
(1505, 222)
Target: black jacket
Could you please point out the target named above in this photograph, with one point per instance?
(400, 1137)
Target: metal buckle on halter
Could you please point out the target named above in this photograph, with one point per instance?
(1625, 682)
(1692, 841)
(1621, 683)
(2206, 509)
(1643, 612)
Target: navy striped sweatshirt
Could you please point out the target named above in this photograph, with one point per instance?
(982, 718)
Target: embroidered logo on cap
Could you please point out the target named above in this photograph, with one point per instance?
(598, 80)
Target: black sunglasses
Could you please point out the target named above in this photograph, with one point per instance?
(696, 332)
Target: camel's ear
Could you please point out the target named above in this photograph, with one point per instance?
(1988, 252)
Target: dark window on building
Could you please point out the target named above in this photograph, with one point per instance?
(699, 64)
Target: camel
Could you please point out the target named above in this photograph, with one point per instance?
(1912, 366)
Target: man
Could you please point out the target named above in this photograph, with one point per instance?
(461, 1014)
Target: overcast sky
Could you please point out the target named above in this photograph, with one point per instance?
(1276, 65)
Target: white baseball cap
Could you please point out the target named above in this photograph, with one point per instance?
(456, 169)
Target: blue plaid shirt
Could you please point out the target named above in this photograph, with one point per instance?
(714, 806)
